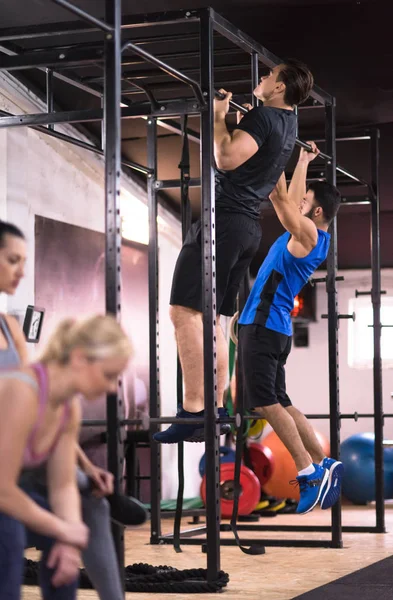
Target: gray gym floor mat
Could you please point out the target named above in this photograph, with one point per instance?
(374, 582)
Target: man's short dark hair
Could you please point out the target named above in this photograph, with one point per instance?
(298, 81)
(9, 229)
(327, 197)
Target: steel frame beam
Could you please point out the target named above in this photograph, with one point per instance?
(143, 109)
(75, 57)
(155, 402)
(220, 24)
(333, 321)
(167, 69)
(81, 144)
(112, 154)
(239, 38)
(377, 331)
(86, 16)
(208, 275)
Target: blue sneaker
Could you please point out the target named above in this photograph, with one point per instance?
(189, 433)
(332, 489)
(311, 487)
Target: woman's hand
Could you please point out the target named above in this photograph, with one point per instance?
(65, 560)
(102, 480)
(74, 534)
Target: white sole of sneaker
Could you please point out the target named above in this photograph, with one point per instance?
(336, 465)
(324, 480)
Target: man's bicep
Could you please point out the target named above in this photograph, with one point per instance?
(289, 218)
(243, 147)
(288, 214)
(300, 227)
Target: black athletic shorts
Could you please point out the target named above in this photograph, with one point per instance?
(237, 241)
(264, 353)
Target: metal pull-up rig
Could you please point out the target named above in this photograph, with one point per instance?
(111, 47)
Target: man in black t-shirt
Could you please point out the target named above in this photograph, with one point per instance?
(249, 162)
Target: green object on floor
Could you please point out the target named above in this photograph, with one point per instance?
(188, 504)
(229, 400)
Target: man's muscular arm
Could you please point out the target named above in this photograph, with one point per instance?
(230, 150)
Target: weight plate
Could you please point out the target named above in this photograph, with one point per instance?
(250, 490)
(262, 462)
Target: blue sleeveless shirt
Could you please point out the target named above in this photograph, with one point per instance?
(279, 280)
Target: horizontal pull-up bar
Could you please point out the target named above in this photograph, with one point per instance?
(167, 69)
(355, 138)
(146, 421)
(300, 143)
(165, 184)
(84, 15)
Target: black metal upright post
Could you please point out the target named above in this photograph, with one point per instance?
(155, 407)
(49, 94)
(102, 100)
(333, 321)
(209, 300)
(377, 330)
(254, 77)
(112, 152)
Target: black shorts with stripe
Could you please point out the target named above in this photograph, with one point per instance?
(263, 354)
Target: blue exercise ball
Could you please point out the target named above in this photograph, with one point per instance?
(358, 456)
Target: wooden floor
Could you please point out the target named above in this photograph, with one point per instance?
(280, 574)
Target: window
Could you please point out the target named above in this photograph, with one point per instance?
(135, 219)
(360, 334)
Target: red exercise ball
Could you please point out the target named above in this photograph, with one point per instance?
(284, 467)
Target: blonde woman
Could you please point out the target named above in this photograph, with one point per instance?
(40, 425)
(95, 484)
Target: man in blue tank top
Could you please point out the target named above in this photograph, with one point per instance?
(265, 333)
(249, 162)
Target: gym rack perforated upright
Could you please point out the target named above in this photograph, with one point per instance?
(106, 47)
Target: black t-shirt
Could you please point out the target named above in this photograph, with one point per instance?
(243, 189)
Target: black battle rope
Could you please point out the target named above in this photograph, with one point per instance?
(147, 578)
(184, 167)
(180, 467)
(180, 496)
(254, 548)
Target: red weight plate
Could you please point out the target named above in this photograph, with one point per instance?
(250, 490)
(262, 462)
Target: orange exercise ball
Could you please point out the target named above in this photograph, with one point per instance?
(284, 467)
